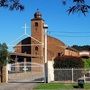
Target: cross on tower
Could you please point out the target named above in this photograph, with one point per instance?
(25, 28)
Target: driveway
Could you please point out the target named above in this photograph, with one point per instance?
(18, 86)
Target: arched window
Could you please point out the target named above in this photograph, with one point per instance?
(36, 24)
(36, 48)
(59, 54)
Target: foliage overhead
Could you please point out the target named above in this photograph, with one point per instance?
(78, 6)
(3, 54)
(11, 4)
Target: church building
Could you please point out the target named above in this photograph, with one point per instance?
(32, 48)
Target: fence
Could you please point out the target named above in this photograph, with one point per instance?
(71, 75)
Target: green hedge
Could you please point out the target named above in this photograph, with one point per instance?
(63, 65)
(68, 62)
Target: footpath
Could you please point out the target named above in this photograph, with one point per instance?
(17, 86)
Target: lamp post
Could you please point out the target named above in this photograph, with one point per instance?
(45, 57)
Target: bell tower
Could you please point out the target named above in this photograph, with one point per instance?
(37, 37)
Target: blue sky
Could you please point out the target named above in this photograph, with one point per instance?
(71, 29)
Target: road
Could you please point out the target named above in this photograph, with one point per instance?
(17, 86)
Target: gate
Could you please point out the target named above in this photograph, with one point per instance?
(26, 72)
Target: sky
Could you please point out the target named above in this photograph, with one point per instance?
(72, 29)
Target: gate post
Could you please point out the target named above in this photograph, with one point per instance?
(72, 75)
(50, 71)
(4, 74)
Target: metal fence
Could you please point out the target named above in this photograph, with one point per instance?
(71, 75)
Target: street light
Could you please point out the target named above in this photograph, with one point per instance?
(45, 61)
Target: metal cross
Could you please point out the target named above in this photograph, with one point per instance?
(25, 68)
(25, 28)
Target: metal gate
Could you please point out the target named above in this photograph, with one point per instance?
(25, 72)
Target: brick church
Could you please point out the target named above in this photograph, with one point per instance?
(31, 49)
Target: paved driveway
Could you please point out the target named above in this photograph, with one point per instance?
(17, 86)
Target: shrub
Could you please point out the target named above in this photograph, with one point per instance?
(63, 65)
(68, 62)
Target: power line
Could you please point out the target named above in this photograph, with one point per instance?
(74, 36)
(56, 35)
(65, 32)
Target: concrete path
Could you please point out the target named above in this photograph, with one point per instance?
(18, 86)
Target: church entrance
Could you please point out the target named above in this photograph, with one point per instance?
(25, 72)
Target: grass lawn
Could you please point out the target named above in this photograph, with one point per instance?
(59, 86)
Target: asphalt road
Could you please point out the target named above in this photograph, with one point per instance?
(18, 86)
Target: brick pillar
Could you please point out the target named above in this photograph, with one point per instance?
(4, 74)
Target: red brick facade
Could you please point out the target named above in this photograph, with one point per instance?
(55, 47)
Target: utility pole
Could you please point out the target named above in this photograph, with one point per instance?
(45, 57)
